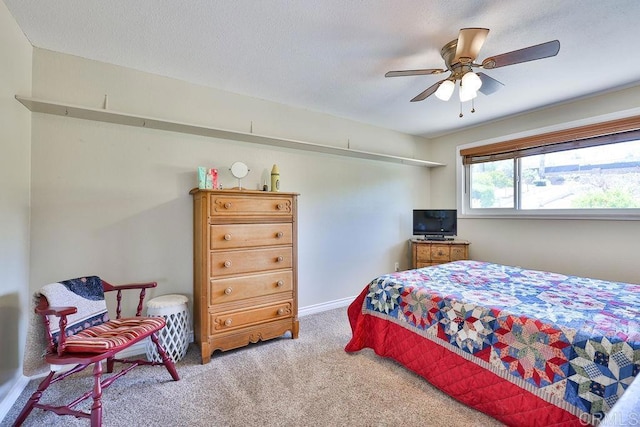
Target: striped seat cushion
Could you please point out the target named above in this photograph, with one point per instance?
(114, 334)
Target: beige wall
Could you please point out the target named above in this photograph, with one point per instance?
(15, 77)
(113, 200)
(596, 248)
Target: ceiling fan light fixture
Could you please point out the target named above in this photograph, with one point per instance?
(445, 90)
(460, 59)
(471, 81)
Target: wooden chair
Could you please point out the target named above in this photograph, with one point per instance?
(83, 346)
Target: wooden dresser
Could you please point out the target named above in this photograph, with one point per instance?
(245, 268)
(432, 252)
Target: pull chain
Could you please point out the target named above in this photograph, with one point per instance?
(473, 106)
(461, 109)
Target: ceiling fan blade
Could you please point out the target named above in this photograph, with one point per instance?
(531, 53)
(427, 92)
(470, 40)
(414, 72)
(489, 84)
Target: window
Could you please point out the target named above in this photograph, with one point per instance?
(589, 171)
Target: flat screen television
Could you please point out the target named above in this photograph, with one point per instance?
(435, 224)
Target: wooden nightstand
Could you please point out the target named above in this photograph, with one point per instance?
(431, 252)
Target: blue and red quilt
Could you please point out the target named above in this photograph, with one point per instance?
(526, 347)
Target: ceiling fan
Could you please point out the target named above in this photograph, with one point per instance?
(459, 57)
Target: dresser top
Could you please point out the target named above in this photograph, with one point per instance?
(230, 191)
(442, 242)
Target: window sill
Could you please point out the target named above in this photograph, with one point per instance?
(618, 215)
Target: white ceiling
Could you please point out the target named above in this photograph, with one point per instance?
(331, 55)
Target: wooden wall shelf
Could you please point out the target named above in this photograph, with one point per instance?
(110, 116)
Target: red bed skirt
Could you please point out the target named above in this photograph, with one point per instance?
(462, 379)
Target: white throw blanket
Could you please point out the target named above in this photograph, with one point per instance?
(86, 294)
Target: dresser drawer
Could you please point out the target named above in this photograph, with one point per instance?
(440, 252)
(238, 288)
(249, 261)
(226, 236)
(228, 321)
(459, 252)
(230, 205)
(423, 253)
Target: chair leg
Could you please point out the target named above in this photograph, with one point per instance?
(110, 364)
(35, 397)
(96, 408)
(168, 363)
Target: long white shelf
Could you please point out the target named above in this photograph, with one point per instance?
(110, 116)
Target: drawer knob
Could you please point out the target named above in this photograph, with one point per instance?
(279, 283)
(227, 205)
(279, 259)
(279, 235)
(280, 206)
(227, 322)
(281, 311)
(227, 237)
(228, 291)
(227, 264)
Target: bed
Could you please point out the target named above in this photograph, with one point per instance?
(527, 347)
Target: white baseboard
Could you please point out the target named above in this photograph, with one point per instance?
(140, 348)
(7, 403)
(330, 305)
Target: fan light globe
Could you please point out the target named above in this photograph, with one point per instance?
(471, 81)
(467, 94)
(445, 90)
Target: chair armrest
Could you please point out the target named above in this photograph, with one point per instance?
(119, 288)
(45, 310)
(56, 311)
(109, 287)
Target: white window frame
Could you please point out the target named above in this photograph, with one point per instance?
(466, 211)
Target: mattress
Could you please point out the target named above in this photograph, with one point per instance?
(527, 347)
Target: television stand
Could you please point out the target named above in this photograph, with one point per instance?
(429, 252)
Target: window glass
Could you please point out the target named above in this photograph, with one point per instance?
(492, 184)
(603, 177)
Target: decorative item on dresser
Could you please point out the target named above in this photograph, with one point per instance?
(245, 268)
(433, 252)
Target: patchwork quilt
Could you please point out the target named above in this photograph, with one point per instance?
(526, 347)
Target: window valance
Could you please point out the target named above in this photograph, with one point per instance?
(611, 132)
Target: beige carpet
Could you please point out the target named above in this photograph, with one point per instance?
(282, 382)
